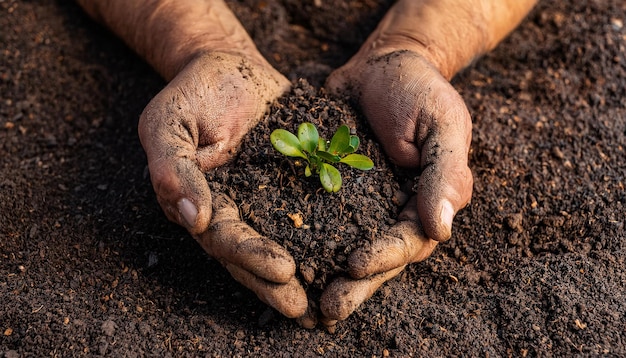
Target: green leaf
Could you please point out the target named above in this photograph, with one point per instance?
(358, 161)
(330, 178)
(307, 171)
(308, 136)
(321, 144)
(287, 143)
(328, 157)
(354, 144)
(340, 140)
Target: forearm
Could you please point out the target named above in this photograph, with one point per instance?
(450, 33)
(169, 33)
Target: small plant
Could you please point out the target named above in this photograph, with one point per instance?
(321, 154)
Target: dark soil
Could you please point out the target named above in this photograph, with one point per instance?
(536, 265)
(318, 228)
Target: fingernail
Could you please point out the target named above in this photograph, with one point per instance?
(188, 211)
(447, 214)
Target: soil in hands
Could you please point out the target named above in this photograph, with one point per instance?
(319, 229)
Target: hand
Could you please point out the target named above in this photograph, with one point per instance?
(400, 79)
(194, 125)
(421, 122)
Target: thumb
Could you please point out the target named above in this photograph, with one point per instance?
(168, 135)
(445, 183)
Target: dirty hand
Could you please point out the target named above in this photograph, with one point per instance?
(421, 122)
(219, 87)
(194, 125)
(400, 78)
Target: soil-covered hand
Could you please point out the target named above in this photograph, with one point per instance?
(195, 124)
(421, 122)
(400, 78)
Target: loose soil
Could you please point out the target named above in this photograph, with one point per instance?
(319, 229)
(536, 265)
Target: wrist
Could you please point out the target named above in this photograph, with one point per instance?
(449, 34)
(448, 39)
(175, 37)
(168, 34)
(175, 57)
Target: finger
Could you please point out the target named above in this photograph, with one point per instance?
(229, 238)
(445, 183)
(344, 294)
(405, 243)
(168, 136)
(289, 298)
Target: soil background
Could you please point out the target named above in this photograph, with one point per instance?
(536, 265)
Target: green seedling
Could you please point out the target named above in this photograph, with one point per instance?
(320, 154)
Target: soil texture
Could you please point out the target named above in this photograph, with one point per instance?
(276, 198)
(536, 266)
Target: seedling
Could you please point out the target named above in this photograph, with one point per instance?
(320, 154)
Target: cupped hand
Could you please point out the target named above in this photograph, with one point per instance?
(195, 124)
(422, 123)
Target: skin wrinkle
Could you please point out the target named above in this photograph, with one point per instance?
(459, 118)
(211, 139)
(230, 104)
(420, 111)
(183, 122)
(169, 151)
(183, 168)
